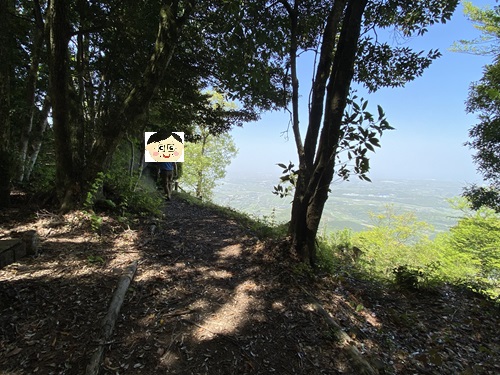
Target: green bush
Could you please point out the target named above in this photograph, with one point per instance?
(455, 267)
(398, 247)
(394, 240)
(335, 250)
(470, 251)
(478, 236)
(133, 194)
(407, 276)
(411, 277)
(125, 190)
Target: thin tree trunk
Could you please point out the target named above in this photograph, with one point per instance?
(316, 107)
(297, 229)
(31, 83)
(109, 321)
(312, 193)
(132, 157)
(362, 366)
(199, 183)
(298, 211)
(37, 138)
(79, 98)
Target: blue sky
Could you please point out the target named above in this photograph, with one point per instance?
(428, 114)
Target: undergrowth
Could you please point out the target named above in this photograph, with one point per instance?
(397, 250)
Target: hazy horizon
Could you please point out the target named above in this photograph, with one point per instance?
(350, 204)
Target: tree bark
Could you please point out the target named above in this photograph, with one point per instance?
(31, 83)
(6, 46)
(37, 138)
(321, 79)
(59, 34)
(315, 177)
(306, 153)
(199, 184)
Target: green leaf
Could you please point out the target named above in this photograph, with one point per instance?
(381, 113)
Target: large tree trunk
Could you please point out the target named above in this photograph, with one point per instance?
(6, 158)
(59, 34)
(315, 177)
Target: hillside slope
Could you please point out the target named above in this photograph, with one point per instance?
(209, 297)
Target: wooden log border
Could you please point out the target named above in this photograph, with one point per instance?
(109, 320)
(345, 342)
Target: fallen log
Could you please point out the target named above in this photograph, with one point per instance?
(109, 320)
(345, 342)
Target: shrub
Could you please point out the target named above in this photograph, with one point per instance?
(133, 194)
(394, 239)
(128, 188)
(336, 251)
(407, 276)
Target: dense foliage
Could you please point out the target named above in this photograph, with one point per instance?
(400, 248)
(484, 100)
(206, 162)
(115, 70)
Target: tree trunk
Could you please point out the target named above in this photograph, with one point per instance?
(361, 365)
(314, 179)
(131, 162)
(37, 138)
(31, 83)
(109, 321)
(6, 158)
(59, 34)
(199, 184)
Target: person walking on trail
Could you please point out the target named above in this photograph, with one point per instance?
(167, 175)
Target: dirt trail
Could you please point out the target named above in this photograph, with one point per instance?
(210, 301)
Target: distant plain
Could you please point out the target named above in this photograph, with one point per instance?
(351, 203)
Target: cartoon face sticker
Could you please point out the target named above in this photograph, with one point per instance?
(165, 147)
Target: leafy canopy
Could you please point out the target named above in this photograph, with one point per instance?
(486, 20)
(210, 154)
(484, 100)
